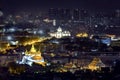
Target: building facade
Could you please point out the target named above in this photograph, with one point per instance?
(60, 33)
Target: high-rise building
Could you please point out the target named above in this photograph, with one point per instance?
(1, 13)
(67, 14)
(59, 13)
(117, 13)
(64, 14)
(1, 17)
(83, 14)
(76, 14)
(52, 13)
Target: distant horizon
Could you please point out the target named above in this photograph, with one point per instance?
(36, 10)
(94, 5)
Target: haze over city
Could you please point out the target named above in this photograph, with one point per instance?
(59, 40)
(43, 4)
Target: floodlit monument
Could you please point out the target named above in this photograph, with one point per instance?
(96, 64)
(32, 56)
(60, 33)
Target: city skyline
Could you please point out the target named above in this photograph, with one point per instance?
(59, 39)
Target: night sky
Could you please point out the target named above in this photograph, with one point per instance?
(13, 5)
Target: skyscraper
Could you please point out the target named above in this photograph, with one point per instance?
(76, 14)
(59, 13)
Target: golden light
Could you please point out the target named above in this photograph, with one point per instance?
(82, 35)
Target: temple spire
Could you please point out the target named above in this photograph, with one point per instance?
(33, 50)
(96, 64)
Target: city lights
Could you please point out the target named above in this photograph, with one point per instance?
(59, 40)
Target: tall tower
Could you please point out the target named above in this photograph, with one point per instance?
(1, 18)
(117, 13)
(1, 13)
(33, 50)
(76, 14)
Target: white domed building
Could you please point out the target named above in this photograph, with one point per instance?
(60, 33)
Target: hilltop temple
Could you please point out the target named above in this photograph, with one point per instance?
(32, 56)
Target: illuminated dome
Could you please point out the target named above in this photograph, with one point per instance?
(60, 33)
(59, 29)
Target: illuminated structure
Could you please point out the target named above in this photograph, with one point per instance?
(32, 56)
(82, 35)
(69, 65)
(60, 33)
(96, 64)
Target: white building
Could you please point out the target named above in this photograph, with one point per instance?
(60, 33)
